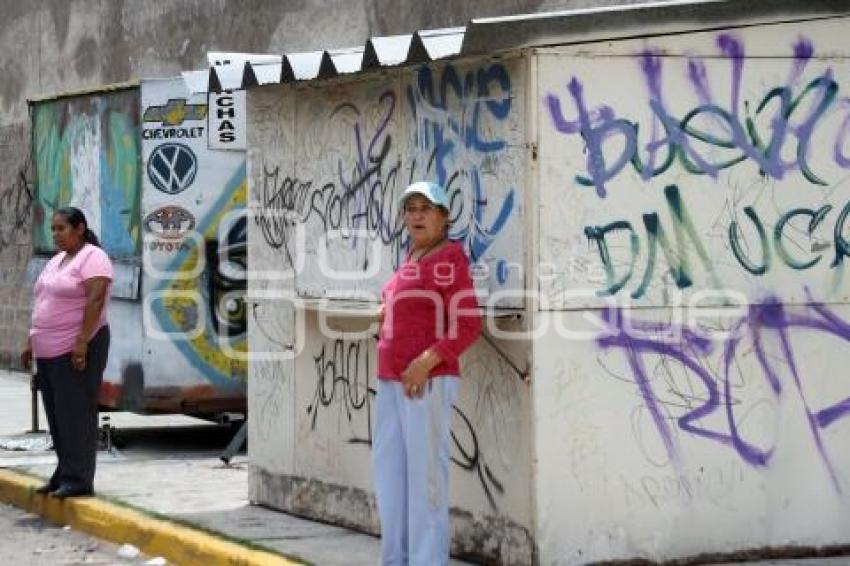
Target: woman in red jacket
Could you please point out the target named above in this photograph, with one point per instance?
(429, 317)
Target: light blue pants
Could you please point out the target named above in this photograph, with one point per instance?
(410, 457)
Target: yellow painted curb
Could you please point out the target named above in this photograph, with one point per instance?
(156, 537)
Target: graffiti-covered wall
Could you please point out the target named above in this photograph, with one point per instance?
(360, 143)
(60, 46)
(194, 249)
(327, 164)
(694, 294)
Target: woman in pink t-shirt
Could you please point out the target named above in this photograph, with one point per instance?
(69, 338)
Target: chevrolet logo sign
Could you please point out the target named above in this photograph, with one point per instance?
(175, 112)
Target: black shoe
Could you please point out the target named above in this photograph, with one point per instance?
(68, 491)
(46, 488)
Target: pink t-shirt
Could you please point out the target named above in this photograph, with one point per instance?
(60, 300)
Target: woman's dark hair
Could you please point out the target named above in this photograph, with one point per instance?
(74, 216)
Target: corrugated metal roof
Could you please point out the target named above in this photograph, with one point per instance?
(438, 43)
(386, 51)
(233, 71)
(347, 61)
(493, 35)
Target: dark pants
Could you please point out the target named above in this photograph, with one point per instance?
(70, 401)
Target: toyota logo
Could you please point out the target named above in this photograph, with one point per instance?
(172, 168)
(169, 222)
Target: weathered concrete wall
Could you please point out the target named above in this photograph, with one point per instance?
(711, 163)
(65, 45)
(688, 396)
(15, 246)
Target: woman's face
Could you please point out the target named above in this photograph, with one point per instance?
(66, 237)
(425, 221)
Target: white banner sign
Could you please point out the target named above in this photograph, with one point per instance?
(227, 120)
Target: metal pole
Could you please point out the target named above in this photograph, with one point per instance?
(34, 405)
(236, 442)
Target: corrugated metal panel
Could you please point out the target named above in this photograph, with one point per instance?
(236, 58)
(347, 61)
(441, 43)
(386, 51)
(266, 74)
(226, 77)
(304, 66)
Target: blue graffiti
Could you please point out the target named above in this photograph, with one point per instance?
(439, 126)
(449, 109)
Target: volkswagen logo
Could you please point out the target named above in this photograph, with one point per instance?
(172, 168)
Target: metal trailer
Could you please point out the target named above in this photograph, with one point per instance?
(167, 203)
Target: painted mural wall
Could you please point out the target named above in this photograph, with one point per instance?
(693, 244)
(86, 154)
(194, 251)
(327, 164)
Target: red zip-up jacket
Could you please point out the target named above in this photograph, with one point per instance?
(429, 303)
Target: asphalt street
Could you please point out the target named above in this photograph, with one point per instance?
(27, 539)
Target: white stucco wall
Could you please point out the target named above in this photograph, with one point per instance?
(326, 166)
(684, 428)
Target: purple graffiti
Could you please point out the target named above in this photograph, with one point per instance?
(732, 48)
(595, 136)
(712, 136)
(841, 157)
(803, 51)
(765, 330)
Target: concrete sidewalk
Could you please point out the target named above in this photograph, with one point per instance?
(181, 481)
(186, 483)
(169, 494)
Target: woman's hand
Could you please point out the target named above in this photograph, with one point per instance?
(415, 376)
(78, 354)
(380, 317)
(26, 356)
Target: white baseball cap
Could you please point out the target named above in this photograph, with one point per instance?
(430, 190)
